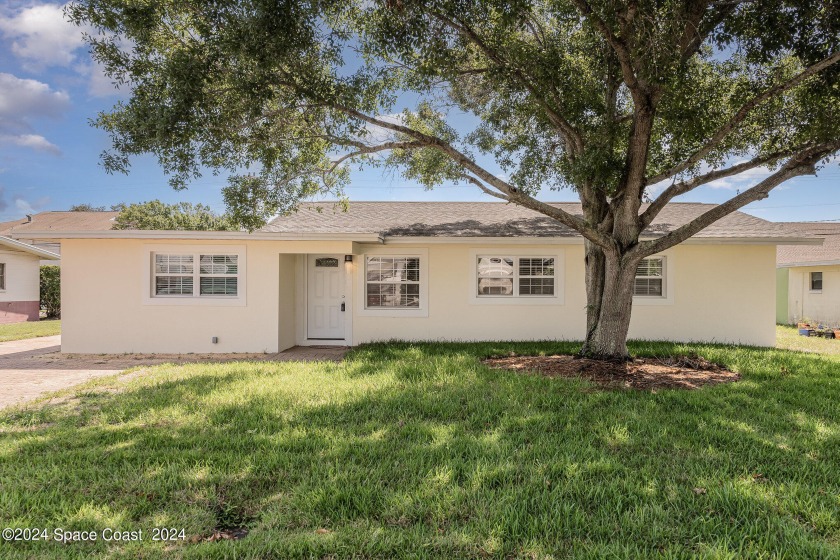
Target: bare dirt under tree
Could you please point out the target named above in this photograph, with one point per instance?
(651, 374)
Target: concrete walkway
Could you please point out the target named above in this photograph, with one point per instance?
(34, 366)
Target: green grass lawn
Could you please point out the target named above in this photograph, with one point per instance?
(419, 451)
(29, 329)
(790, 339)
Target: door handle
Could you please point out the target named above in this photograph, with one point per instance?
(342, 306)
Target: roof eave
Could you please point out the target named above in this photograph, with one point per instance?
(206, 235)
(577, 239)
(832, 262)
(369, 237)
(769, 240)
(27, 248)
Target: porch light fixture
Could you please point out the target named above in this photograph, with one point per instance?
(348, 258)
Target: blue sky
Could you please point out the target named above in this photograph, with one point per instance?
(49, 154)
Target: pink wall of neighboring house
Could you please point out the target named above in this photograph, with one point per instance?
(19, 311)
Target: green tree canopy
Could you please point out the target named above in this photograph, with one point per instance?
(622, 101)
(181, 216)
(86, 207)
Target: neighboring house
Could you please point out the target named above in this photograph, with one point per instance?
(20, 285)
(401, 270)
(55, 221)
(808, 277)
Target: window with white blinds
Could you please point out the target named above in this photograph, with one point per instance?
(500, 276)
(650, 277)
(195, 275)
(392, 283)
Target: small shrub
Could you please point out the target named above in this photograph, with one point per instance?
(51, 290)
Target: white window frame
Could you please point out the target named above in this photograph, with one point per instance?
(811, 281)
(406, 282)
(361, 281)
(668, 292)
(558, 298)
(3, 269)
(196, 250)
(664, 278)
(516, 277)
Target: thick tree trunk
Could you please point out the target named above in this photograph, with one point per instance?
(609, 292)
(595, 264)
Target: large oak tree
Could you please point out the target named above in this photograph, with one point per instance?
(605, 97)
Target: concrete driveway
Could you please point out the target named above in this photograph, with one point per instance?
(35, 366)
(32, 367)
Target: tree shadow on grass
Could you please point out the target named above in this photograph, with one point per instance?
(419, 451)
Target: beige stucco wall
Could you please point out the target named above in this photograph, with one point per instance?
(288, 293)
(103, 308)
(803, 304)
(723, 293)
(22, 276)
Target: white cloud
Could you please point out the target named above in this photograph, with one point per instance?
(741, 181)
(746, 179)
(34, 141)
(99, 85)
(26, 206)
(22, 100)
(41, 36)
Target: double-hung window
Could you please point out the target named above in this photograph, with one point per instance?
(195, 275)
(816, 281)
(650, 278)
(508, 276)
(392, 282)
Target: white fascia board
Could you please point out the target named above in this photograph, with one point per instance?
(391, 240)
(27, 248)
(808, 264)
(206, 235)
(422, 240)
(754, 240)
(439, 240)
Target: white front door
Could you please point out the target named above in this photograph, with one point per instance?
(325, 295)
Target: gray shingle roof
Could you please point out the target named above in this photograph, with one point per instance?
(491, 219)
(829, 251)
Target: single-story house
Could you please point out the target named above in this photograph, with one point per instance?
(20, 286)
(808, 276)
(54, 221)
(402, 270)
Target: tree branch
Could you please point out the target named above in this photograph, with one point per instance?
(512, 193)
(570, 134)
(742, 114)
(622, 51)
(481, 186)
(683, 187)
(803, 163)
(365, 149)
